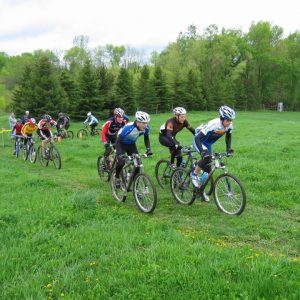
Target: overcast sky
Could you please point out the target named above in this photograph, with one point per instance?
(28, 25)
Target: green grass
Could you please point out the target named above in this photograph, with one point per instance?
(62, 236)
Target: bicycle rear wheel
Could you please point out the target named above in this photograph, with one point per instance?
(163, 172)
(18, 147)
(55, 157)
(119, 193)
(144, 193)
(32, 154)
(229, 194)
(182, 187)
(25, 152)
(44, 160)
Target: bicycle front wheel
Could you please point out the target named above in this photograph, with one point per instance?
(82, 133)
(25, 152)
(144, 193)
(55, 157)
(103, 172)
(43, 158)
(182, 187)
(163, 172)
(70, 134)
(32, 154)
(229, 194)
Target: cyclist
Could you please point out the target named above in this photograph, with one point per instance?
(110, 130)
(206, 136)
(63, 123)
(17, 132)
(126, 140)
(168, 131)
(44, 130)
(28, 128)
(91, 121)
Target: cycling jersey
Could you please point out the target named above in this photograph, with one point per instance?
(208, 134)
(44, 125)
(130, 133)
(91, 120)
(28, 129)
(175, 127)
(18, 129)
(64, 121)
(110, 130)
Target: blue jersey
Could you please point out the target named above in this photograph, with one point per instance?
(208, 134)
(130, 133)
(91, 120)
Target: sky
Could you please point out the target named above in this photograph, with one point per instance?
(148, 25)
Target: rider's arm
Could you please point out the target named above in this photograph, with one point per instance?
(104, 131)
(228, 141)
(189, 127)
(147, 142)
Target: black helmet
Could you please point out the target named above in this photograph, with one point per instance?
(47, 118)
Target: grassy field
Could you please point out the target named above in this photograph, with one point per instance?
(62, 236)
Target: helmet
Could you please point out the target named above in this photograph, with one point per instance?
(19, 120)
(141, 116)
(31, 121)
(179, 111)
(60, 114)
(47, 118)
(226, 113)
(119, 112)
(89, 114)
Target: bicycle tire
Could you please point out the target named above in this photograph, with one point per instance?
(229, 194)
(118, 193)
(82, 133)
(55, 157)
(97, 131)
(70, 134)
(32, 154)
(182, 187)
(163, 172)
(103, 173)
(25, 152)
(42, 159)
(142, 185)
(17, 148)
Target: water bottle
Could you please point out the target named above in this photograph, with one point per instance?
(203, 177)
(183, 163)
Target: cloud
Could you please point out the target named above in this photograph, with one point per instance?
(27, 25)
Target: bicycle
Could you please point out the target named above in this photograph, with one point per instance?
(64, 133)
(229, 194)
(87, 130)
(49, 153)
(164, 168)
(29, 150)
(104, 166)
(18, 144)
(143, 189)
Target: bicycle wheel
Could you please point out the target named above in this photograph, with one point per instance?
(70, 134)
(55, 157)
(96, 131)
(119, 193)
(44, 160)
(17, 148)
(32, 154)
(25, 152)
(82, 133)
(163, 172)
(102, 169)
(182, 187)
(229, 194)
(144, 193)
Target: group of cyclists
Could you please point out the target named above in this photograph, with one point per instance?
(119, 133)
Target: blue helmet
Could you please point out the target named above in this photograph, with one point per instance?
(226, 113)
(47, 118)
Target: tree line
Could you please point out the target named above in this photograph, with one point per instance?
(198, 71)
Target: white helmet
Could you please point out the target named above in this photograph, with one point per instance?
(226, 113)
(119, 112)
(89, 114)
(141, 116)
(179, 111)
